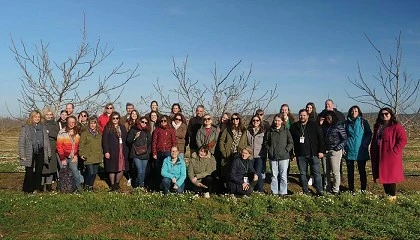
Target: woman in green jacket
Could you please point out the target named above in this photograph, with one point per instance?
(232, 141)
(90, 151)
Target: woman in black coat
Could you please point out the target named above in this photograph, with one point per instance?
(115, 150)
(242, 177)
(50, 171)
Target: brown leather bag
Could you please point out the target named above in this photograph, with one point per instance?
(140, 150)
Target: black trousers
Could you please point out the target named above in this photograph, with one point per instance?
(208, 181)
(33, 174)
(390, 189)
(361, 166)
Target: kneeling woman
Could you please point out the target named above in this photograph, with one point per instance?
(200, 171)
(242, 176)
(174, 172)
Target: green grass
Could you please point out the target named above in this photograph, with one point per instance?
(103, 215)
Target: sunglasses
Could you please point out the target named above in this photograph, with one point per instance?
(233, 119)
(260, 114)
(163, 120)
(110, 108)
(115, 118)
(255, 120)
(385, 114)
(84, 115)
(144, 122)
(206, 119)
(179, 119)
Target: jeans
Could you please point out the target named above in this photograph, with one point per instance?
(90, 174)
(76, 173)
(324, 172)
(141, 165)
(279, 172)
(314, 163)
(258, 166)
(168, 186)
(361, 166)
(333, 160)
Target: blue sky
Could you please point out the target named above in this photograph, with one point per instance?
(309, 48)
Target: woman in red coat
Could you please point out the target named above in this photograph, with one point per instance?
(163, 140)
(386, 148)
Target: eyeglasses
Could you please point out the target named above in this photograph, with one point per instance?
(144, 122)
(255, 120)
(163, 120)
(110, 108)
(178, 119)
(207, 119)
(115, 118)
(385, 114)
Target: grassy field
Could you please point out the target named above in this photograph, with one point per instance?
(137, 215)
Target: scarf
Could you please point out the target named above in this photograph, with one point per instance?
(37, 137)
(176, 126)
(91, 131)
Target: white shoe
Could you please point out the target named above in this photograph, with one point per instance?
(206, 195)
(129, 182)
(263, 175)
(310, 181)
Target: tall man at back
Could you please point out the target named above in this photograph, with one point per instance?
(329, 106)
(194, 125)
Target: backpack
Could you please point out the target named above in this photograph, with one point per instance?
(66, 183)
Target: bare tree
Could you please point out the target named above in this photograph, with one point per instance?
(47, 83)
(397, 89)
(224, 92)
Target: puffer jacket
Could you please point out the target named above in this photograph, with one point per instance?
(26, 149)
(335, 137)
(64, 144)
(163, 139)
(279, 143)
(256, 141)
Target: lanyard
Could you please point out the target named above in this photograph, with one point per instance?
(302, 129)
(246, 167)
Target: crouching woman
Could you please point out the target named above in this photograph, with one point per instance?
(174, 173)
(242, 177)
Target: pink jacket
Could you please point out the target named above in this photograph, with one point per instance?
(387, 163)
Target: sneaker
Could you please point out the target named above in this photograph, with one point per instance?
(206, 195)
(310, 181)
(129, 182)
(263, 175)
(392, 199)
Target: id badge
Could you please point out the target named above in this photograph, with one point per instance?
(246, 180)
(302, 139)
(120, 140)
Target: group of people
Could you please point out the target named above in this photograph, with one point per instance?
(229, 156)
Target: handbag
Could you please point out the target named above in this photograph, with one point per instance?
(140, 150)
